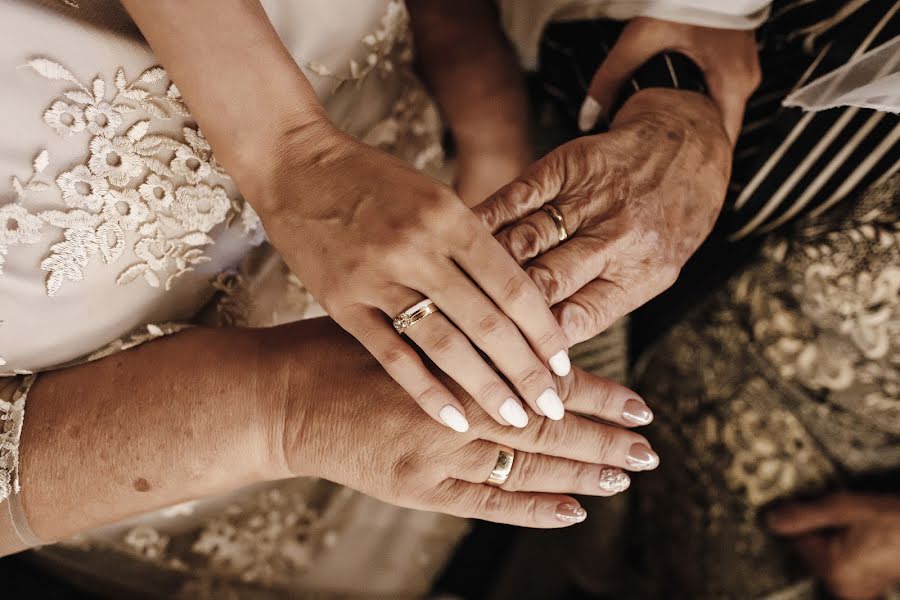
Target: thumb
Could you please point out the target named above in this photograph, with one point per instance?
(635, 46)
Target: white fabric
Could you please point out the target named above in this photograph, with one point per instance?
(871, 81)
(525, 20)
(40, 327)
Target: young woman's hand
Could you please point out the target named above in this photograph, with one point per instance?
(370, 236)
(343, 419)
(728, 58)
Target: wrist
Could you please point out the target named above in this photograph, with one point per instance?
(676, 109)
(288, 365)
(293, 140)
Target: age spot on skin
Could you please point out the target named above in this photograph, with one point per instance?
(141, 484)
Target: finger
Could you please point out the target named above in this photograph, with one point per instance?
(480, 501)
(578, 438)
(835, 510)
(587, 394)
(490, 329)
(514, 293)
(539, 473)
(536, 233)
(563, 271)
(541, 182)
(403, 364)
(453, 354)
(600, 303)
(635, 46)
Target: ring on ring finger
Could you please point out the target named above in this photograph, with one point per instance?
(503, 467)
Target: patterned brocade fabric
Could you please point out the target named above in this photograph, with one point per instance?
(784, 384)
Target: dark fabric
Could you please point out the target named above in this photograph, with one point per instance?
(794, 39)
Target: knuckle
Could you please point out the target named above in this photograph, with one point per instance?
(525, 240)
(443, 342)
(603, 444)
(517, 289)
(432, 396)
(491, 502)
(523, 471)
(548, 434)
(397, 355)
(550, 284)
(578, 317)
(492, 324)
(534, 378)
(493, 393)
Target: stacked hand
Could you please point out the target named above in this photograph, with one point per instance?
(373, 236)
(390, 450)
(636, 203)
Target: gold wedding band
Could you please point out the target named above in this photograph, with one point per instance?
(558, 220)
(503, 467)
(413, 314)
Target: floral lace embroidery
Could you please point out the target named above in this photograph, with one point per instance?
(130, 183)
(12, 416)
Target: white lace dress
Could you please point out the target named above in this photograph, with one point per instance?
(118, 220)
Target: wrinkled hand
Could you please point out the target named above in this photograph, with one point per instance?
(370, 236)
(637, 202)
(851, 541)
(343, 419)
(728, 58)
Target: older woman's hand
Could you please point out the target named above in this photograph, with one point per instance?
(636, 202)
(344, 420)
(852, 541)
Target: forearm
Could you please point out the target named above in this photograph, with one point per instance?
(473, 74)
(242, 86)
(172, 420)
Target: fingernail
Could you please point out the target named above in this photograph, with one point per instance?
(512, 411)
(454, 419)
(614, 480)
(551, 405)
(570, 513)
(641, 457)
(637, 412)
(589, 113)
(560, 363)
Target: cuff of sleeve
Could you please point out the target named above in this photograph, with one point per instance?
(12, 417)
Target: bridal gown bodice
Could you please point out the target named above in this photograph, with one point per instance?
(113, 209)
(116, 220)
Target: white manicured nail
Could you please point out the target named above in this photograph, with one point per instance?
(589, 113)
(560, 363)
(513, 413)
(551, 405)
(454, 419)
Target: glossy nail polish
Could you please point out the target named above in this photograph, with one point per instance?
(641, 458)
(637, 412)
(570, 513)
(512, 412)
(453, 419)
(551, 405)
(614, 480)
(560, 363)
